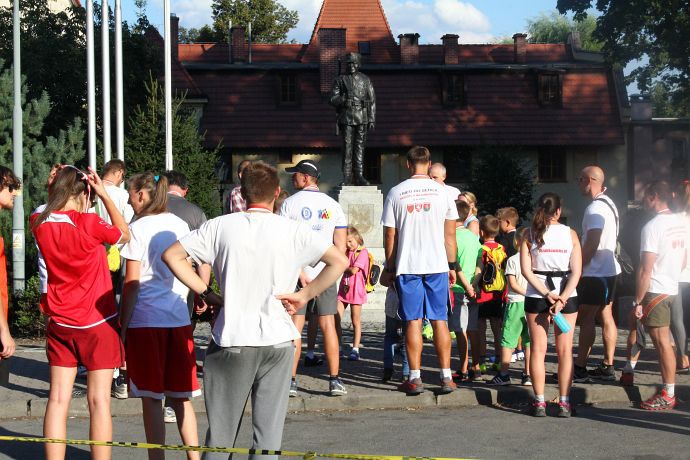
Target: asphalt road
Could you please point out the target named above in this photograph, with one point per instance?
(602, 431)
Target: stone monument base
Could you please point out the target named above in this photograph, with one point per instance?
(363, 206)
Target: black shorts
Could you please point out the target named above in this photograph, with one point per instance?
(491, 309)
(540, 305)
(594, 290)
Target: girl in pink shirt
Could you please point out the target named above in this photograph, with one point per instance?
(353, 289)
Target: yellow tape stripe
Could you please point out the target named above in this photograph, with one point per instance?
(226, 450)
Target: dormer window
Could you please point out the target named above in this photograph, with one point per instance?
(550, 89)
(288, 90)
(364, 48)
(453, 89)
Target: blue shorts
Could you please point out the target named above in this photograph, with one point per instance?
(423, 296)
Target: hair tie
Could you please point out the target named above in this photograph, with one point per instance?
(156, 178)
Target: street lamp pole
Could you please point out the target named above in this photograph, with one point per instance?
(18, 245)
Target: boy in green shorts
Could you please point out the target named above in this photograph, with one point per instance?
(514, 321)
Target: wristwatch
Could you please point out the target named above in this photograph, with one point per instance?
(453, 266)
(205, 294)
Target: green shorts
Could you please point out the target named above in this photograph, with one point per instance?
(657, 310)
(515, 326)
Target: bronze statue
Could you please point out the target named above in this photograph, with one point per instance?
(355, 103)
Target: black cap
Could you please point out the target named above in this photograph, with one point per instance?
(307, 167)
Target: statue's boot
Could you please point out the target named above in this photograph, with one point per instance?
(347, 173)
(359, 168)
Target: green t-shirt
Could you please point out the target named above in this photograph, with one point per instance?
(469, 250)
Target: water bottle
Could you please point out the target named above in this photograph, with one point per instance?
(561, 322)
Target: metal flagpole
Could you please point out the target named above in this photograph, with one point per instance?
(90, 84)
(17, 160)
(105, 59)
(119, 105)
(168, 89)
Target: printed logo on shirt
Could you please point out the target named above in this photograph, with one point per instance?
(324, 214)
(418, 207)
(427, 207)
(410, 208)
(306, 213)
(317, 227)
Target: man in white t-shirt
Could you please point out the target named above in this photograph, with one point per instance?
(662, 258)
(597, 287)
(256, 257)
(327, 219)
(419, 230)
(438, 173)
(114, 173)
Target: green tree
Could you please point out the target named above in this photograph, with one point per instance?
(41, 151)
(554, 28)
(501, 178)
(145, 148)
(655, 30)
(270, 20)
(193, 35)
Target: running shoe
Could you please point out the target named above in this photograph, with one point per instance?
(603, 372)
(627, 379)
(447, 386)
(354, 356)
(474, 374)
(452, 335)
(119, 388)
(293, 388)
(169, 415)
(312, 362)
(660, 401)
(564, 409)
(683, 370)
(428, 332)
(581, 375)
(336, 387)
(520, 355)
(499, 380)
(513, 357)
(539, 408)
(81, 371)
(412, 387)
(387, 374)
(525, 380)
(460, 376)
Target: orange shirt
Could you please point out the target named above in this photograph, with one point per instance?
(3, 277)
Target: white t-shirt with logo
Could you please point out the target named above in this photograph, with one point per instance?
(255, 256)
(685, 274)
(418, 209)
(120, 197)
(665, 235)
(552, 256)
(320, 212)
(162, 300)
(513, 268)
(453, 192)
(599, 216)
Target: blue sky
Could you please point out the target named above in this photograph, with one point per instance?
(475, 21)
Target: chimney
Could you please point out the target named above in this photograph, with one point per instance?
(409, 48)
(574, 40)
(451, 50)
(174, 36)
(520, 47)
(331, 48)
(240, 49)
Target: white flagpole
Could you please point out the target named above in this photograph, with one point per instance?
(168, 89)
(105, 59)
(91, 84)
(119, 104)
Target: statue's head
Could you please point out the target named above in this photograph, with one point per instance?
(352, 62)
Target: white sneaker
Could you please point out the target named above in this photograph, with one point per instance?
(169, 415)
(513, 358)
(520, 355)
(119, 388)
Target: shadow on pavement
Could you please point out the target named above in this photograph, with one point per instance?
(29, 450)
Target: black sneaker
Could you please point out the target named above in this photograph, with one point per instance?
(525, 380)
(499, 380)
(387, 374)
(580, 375)
(603, 372)
(312, 362)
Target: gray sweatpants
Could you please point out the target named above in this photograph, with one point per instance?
(230, 375)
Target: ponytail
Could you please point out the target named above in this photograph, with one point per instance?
(547, 206)
(157, 188)
(69, 182)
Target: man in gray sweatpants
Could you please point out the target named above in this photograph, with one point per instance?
(256, 256)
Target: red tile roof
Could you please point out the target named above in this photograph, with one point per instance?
(218, 52)
(182, 82)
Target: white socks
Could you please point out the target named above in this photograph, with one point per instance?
(415, 374)
(446, 374)
(670, 389)
(629, 367)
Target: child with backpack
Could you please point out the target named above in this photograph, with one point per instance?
(514, 320)
(491, 282)
(353, 288)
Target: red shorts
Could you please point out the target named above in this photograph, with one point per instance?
(97, 347)
(161, 362)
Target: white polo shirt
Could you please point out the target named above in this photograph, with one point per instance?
(255, 256)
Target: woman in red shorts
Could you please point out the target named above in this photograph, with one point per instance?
(155, 320)
(83, 323)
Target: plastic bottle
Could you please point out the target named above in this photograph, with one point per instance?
(561, 322)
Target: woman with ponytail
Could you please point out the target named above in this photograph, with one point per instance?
(156, 327)
(81, 310)
(551, 262)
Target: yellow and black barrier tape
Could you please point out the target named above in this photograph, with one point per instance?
(222, 450)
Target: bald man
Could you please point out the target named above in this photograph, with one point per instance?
(600, 269)
(438, 173)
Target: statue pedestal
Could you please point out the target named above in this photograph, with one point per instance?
(363, 206)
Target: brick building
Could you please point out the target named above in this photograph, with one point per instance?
(553, 104)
